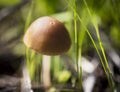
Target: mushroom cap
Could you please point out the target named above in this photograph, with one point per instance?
(47, 36)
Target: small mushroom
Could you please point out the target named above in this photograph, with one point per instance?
(47, 36)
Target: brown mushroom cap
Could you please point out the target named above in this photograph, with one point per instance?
(48, 36)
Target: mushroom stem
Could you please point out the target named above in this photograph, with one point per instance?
(46, 71)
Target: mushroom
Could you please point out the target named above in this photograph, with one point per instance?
(47, 36)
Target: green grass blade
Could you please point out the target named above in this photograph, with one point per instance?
(105, 62)
(94, 44)
(78, 49)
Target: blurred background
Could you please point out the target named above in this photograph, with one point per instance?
(23, 70)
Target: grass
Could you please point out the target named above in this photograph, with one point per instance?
(105, 61)
(32, 59)
(102, 56)
(77, 48)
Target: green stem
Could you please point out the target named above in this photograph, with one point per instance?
(80, 72)
(79, 69)
(29, 16)
(106, 66)
(109, 75)
(105, 63)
